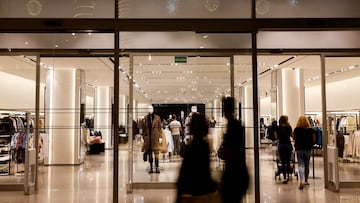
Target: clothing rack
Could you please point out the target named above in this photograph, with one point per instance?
(18, 126)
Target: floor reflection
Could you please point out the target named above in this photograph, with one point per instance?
(92, 181)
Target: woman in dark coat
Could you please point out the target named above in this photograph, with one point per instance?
(283, 133)
(235, 178)
(195, 178)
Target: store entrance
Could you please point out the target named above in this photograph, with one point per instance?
(176, 87)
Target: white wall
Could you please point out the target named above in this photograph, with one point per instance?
(142, 109)
(265, 106)
(341, 95)
(18, 93)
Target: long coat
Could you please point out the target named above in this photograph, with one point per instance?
(156, 131)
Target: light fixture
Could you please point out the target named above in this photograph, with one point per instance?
(84, 8)
(33, 7)
(262, 7)
(212, 5)
(172, 6)
(293, 3)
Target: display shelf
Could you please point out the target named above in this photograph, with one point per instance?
(5, 154)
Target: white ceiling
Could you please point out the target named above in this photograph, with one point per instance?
(200, 80)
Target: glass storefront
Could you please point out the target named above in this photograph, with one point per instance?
(343, 116)
(152, 66)
(192, 81)
(17, 117)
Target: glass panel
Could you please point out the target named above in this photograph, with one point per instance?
(184, 40)
(343, 113)
(244, 110)
(78, 110)
(57, 9)
(76, 95)
(17, 114)
(307, 9)
(174, 85)
(178, 9)
(276, 99)
(57, 41)
(184, 9)
(308, 40)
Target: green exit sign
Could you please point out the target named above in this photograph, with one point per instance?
(180, 59)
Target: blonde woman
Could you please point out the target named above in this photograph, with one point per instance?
(304, 137)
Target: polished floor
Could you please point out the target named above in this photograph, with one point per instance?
(91, 182)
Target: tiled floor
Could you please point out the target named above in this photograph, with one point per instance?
(92, 182)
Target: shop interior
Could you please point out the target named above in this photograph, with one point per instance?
(162, 81)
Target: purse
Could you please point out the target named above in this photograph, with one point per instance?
(223, 152)
(145, 156)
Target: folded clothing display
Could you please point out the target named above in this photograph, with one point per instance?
(4, 158)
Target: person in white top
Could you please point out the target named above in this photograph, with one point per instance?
(175, 128)
(169, 141)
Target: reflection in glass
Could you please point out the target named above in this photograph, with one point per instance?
(212, 5)
(34, 7)
(84, 8)
(262, 7)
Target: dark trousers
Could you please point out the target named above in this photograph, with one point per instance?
(285, 156)
(176, 139)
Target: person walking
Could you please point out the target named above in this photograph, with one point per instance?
(304, 137)
(175, 128)
(283, 133)
(195, 183)
(235, 178)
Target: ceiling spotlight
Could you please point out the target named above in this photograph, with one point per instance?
(33, 7)
(262, 7)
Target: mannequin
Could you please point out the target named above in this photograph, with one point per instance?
(152, 138)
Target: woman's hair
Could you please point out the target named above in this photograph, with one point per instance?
(198, 125)
(303, 122)
(284, 120)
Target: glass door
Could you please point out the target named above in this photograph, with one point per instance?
(343, 118)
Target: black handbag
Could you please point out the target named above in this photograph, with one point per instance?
(223, 152)
(145, 156)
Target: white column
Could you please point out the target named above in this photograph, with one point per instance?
(217, 109)
(247, 111)
(208, 109)
(123, 101)
(290, 99)
(135, 111)
(63, 116)
(102, 117)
